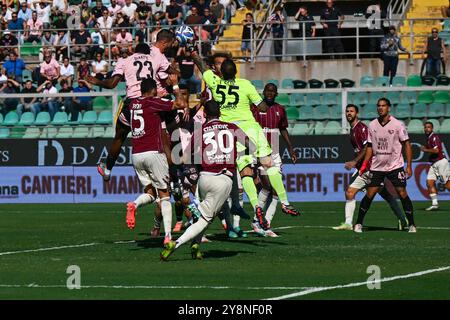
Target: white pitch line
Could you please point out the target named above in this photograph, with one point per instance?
(358, 284)
(50, 248)
(34, 285)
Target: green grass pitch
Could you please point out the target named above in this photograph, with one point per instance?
(117, 263)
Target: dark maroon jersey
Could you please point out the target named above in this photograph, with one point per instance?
(358, 137)
(219, 146)
(146, 123)
(272, 121)
(434, 142)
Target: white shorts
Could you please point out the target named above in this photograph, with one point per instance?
(152, 168)
(276, 161)
(213, 191)
(361, 181)
(439, 169)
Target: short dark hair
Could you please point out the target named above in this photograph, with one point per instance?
(351, 105)
(270, 84)
(430, 123)
(212, 109)
(165, 35)
(388, 102)
(228, 69)
(142, 48)
(147, 85)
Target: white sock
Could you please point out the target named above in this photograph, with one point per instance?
(241, 197)
(350, 206)
(143, 199)
(224, 222)
(157, 223)
(434, 200)
(271, 209)
(262, 197)
(236, 220)
(192, 232)
(166, 212)
(107, 171)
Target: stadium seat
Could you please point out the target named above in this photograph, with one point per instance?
(287, 84)
(42, 119)
(347, 83)
(329, 98)
(446, 25)
(300, 84)
(283, 99)
(333, 127)
(441, 97)
(374, 96)
(313, 99)
(64, 132)
(442, 80)
(382, 81)
(89, 117)
(305, 113)
(11, 119)
(419, 110)
(335, 112)
(96, 132)
(27, 75)
(109, 132)
(59, 119)
(428, 80)
(415, 126)
(259, 84)
(331, 83)
(360, 98)
(26, 119)
(105, 117)
(436, 110)
(393, 96)
(4, 133)
(425, 97)
(121, 88)
(80, 132)
(101, 103)
(447, 112)
(32, 133)
(436, 125)
(319, 127)
(445, 126)
(402, 111)
(315, 83)
(26, 50)
(1, 118)
(274, 81)
(366, 81)
(321, 113)
(300, 129)
(49, 132)
(399, 81)
(414, 81)
(292, 113)
(409, 97)
(297, 99)
(369, 112)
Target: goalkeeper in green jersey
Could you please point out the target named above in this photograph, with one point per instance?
(235, 96)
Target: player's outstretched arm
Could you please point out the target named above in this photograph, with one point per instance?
(109, 83)
(201, 65)
(408, 152)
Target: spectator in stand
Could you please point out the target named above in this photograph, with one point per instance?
(60, 6)
(60, 21)
(43, 11)
(65, 102)
(184, 6)
(97, 11)
(83, 69)
(247, 25)
(97, 41)
(187, 74)
(6, 13)
(3, 79)
(48, 104)
(67, 72)
(34, 28)
(141, 34)
(28, 104)
(204, 35)
(14, 67)
(445, 10)
(105, 23)
(47, 44)
(81, 39)
(129, 10)
(436, 53)
(218, 11)
(24, 13)
(194, 18)
(114, 8)
(227, 4)
(10, 104)
(143, 12)
(332, 28)
(86, 17)
(49, 69)
(80, 103)
(16, 23)
(306, 22)
(61, 45)
(211, 25)
(174, 14)
(159, 11)
(8, 43)
(155, 31)
(276, 21)
(124, 43)
(374, 14)
(120, 21)
(200, 5)
(389, 46)
(99, 67)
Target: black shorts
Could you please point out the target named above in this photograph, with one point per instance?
(397, 177)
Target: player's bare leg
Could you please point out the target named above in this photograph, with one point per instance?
(432, 191)
(263, 197)
(350, 205)
(147, 197)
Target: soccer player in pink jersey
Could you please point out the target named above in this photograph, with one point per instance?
(439, 168)
(387, 137)
(274, 123)
(218, 156)
(149, 159)
(358, 138)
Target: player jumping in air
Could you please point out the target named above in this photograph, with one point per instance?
(149, 159)
(358, 138)
(439, 169)
(387, 136)
(234, 96)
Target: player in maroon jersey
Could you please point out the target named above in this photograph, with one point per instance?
(218, 165)
(148, 157)
(358, 138)
(439, 168)
(274, 122)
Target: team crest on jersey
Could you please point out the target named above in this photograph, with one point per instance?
(391, 131)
